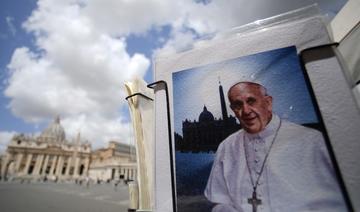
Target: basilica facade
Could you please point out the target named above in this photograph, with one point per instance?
(51, 156)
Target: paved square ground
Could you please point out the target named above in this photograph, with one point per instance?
(62, 197)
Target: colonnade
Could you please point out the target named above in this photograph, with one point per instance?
(105, 173)
(128, 173)
(44, 164)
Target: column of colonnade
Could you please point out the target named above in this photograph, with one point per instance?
(117, 174)
(59, 166)
(38, 164)
(27, 164)
(5, 164)
(68, 166)
(86, 166)
(45, 165)
(53, 164)
(19, 158)
(34, 169)
(76, 168)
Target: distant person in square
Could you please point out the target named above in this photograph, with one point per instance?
(271, 164)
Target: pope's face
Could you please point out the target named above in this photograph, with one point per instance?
(251, 106)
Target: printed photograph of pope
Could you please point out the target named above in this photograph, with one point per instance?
(271, 164)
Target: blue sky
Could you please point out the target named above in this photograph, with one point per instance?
(71, 57)
(278, 70)
(10, 37)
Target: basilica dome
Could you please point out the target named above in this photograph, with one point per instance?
(54, 133)
(206, 116)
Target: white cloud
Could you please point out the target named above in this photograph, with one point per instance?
(9, 22)
(136, 16)
(97, 129)
(78, 72)
(5, 138)
(180, 41)
(217, 15)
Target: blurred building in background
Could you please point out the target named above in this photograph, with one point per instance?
(50, 156)
(113, 163)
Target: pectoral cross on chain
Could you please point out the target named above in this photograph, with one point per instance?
(254, 201)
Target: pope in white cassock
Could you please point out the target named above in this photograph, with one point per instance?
(271, 164)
